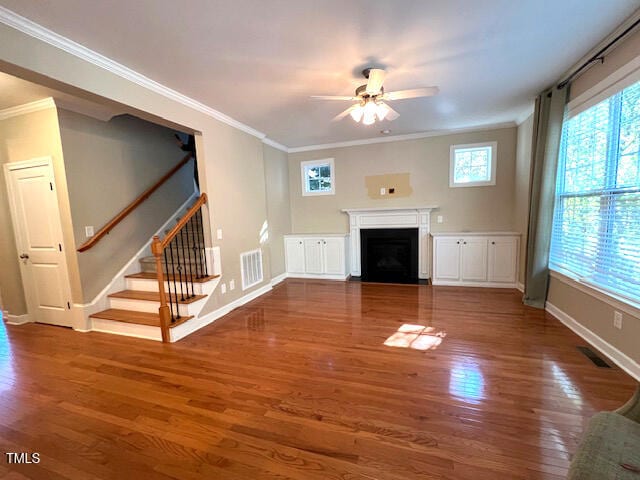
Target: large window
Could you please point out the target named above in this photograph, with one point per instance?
(473, 165)
(596, 226)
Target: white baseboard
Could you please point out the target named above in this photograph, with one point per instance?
(278, 279)
(319, 276)
(16, 319)
(616, 356)
(520, 286)
(191, 326)
(443, 283)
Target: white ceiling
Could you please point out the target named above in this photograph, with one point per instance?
(259, 61)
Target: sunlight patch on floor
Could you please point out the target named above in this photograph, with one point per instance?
(416, 337)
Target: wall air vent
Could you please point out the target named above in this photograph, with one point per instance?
(251, 268)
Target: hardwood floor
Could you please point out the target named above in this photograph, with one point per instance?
(298, 385)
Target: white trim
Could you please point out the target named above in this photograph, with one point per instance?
(187, 328)
(276, 145)
(17, 319)
(320, 276)
(320, 162)
(520, 286)
(35, 30)
(279, 279)
(457, 283)
(622, 78)
(146, 332)
(400, 138)
(611, 299)
(616, 356)
(30, 107)
(493, 164)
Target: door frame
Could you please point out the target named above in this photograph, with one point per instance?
(19, 234)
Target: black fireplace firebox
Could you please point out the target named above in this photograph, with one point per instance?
(389, 255)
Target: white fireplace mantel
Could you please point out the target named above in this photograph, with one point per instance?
(391, 217)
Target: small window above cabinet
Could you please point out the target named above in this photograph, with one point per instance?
(476, 259)
(318, 177)
(473, 165)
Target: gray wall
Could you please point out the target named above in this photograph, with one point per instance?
(522, 186)
(108, 164)
(426, 161)
(276, 171)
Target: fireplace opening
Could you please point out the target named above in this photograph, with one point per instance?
(389, 255)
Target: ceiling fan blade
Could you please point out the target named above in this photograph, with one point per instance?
(391, 114)
(413, 93)
(333, 97)
(343, 114)
(376, 79)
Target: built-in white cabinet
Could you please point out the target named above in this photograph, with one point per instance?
(317, 256)
(479, 259)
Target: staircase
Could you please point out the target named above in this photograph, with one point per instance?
(171, 288)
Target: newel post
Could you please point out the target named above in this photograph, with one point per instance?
(157, 249)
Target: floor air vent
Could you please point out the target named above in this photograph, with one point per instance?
(594, 357)
(251, 268)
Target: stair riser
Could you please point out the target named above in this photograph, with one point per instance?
(152, 307)
(127, 329)
(146, 285)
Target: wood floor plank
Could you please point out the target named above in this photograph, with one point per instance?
(299, 385)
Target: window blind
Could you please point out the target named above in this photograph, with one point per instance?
(596, 225)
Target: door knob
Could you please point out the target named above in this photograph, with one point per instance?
(24, 256)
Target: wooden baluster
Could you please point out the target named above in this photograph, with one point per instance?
(157, 250)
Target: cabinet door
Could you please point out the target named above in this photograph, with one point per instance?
(333, 250)
(313, 255)
(294, 255)
(503, 259)
(473, 259)
(446, 265)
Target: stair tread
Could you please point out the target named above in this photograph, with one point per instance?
(151, 296)
(153, 276)
(140, 318)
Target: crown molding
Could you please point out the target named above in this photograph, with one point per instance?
(526, 114)
(35, 30)
(30, 107)
(400, 138)
(276, 145)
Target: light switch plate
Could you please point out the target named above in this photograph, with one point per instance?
(88, 231)
(617, 320)
(219, 234)
(383, 191)
(223, 288)
(232, 284)
(440, 219)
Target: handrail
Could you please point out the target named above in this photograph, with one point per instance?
(133, 205)
(187, 236)
(183, 221)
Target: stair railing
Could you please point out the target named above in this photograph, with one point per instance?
(181, 261)
(133, 205)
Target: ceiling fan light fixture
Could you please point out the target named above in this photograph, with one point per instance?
(369, 113)
(381, 110)
(357, 113)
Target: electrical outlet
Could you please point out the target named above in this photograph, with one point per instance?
(219, 234)
(88, 231)
(383, 191)
(440, 219)
(232, 284)
(223, 288)
(617, 320)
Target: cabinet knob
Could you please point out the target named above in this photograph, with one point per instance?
(318, 243)
(464, 243)
(458, 243)
(493, 243)
(300, 243)
(324, 241)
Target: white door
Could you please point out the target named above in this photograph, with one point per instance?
(447, 258)
(36, 223)
(333, 256)
(503, 259)
(313, 255)
(473, 259)
(294, 254)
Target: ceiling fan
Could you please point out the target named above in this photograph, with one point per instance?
(371, 99)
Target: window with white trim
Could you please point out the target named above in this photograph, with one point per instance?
(318, 177)
(596, 224)
(473, 165)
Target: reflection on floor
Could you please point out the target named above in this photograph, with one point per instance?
(300, 385)
(417, 337)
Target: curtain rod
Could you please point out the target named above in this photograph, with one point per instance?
(598, 57)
